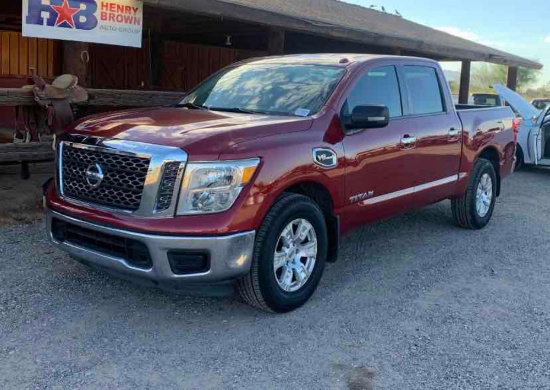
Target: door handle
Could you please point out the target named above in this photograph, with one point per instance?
(408, 140)
(454, 132)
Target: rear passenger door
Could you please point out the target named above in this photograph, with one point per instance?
(378, 170)
(435, 131)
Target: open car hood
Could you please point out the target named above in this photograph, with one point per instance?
(518, 103)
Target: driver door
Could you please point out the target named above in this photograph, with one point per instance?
(543, 146)
(379, 178)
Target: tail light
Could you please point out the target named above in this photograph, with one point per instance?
(516, 123)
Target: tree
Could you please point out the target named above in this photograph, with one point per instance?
(455, 86)
(486, 75)
(538, 92)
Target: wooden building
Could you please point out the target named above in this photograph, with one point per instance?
(184, 41)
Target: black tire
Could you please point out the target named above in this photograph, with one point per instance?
(464, 208)
(260, 288)
(520, 159)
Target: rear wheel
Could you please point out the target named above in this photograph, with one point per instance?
(474, 209)
(289, 256)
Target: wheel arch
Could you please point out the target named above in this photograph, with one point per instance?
(520, 156)
(492, 154)
(320, 194)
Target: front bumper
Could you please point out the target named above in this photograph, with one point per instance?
(230, 256)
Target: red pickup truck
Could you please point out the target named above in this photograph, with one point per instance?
(254, 177)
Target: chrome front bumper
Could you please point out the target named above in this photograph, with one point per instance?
(230, 256)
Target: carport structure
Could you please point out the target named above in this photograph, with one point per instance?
(184, 41)
(312, 26)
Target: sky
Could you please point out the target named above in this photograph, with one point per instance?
(520, 28)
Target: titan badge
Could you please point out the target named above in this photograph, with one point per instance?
(361, 197)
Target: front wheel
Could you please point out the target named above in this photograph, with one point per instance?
(289, 256)
(474, 209)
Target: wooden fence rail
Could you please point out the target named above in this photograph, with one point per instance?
(99, 97)
(35, 152)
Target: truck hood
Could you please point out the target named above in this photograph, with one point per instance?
(526, 110)
(198, 132)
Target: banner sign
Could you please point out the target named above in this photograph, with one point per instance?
(114, 22)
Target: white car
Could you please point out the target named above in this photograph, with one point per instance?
(534, 132)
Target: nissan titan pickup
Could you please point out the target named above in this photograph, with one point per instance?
(253, 178)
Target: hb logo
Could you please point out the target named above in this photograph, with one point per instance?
(77, 14)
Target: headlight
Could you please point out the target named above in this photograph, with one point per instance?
(213, 187)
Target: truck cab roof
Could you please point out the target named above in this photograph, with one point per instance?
(331, 59)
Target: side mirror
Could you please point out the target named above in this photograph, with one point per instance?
(369, 117)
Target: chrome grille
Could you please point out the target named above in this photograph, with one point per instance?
(123, 183)
(167, 185)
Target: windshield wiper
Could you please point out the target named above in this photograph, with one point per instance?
(192, 106)
(237, 110)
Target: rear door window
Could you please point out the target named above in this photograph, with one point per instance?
(424, 93)
(377, 87)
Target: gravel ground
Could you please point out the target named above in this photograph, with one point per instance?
(414, 303)
(21, 200)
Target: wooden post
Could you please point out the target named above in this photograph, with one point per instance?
(276, 41)
(76, 56)
(464, 93)
(25, 172)
(155, 51)
(512, 81)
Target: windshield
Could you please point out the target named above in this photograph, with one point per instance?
(486, 100)
(541, 104)
(275, 89)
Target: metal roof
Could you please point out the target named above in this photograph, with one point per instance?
(337, 19)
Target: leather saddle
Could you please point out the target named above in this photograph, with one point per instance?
(55, 99)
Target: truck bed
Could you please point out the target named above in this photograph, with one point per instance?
(482, 118)
(462, 107)
(489, 126)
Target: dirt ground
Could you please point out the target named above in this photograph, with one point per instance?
(21, 200)
(412, 303)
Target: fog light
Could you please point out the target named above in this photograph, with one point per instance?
(188, 262)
